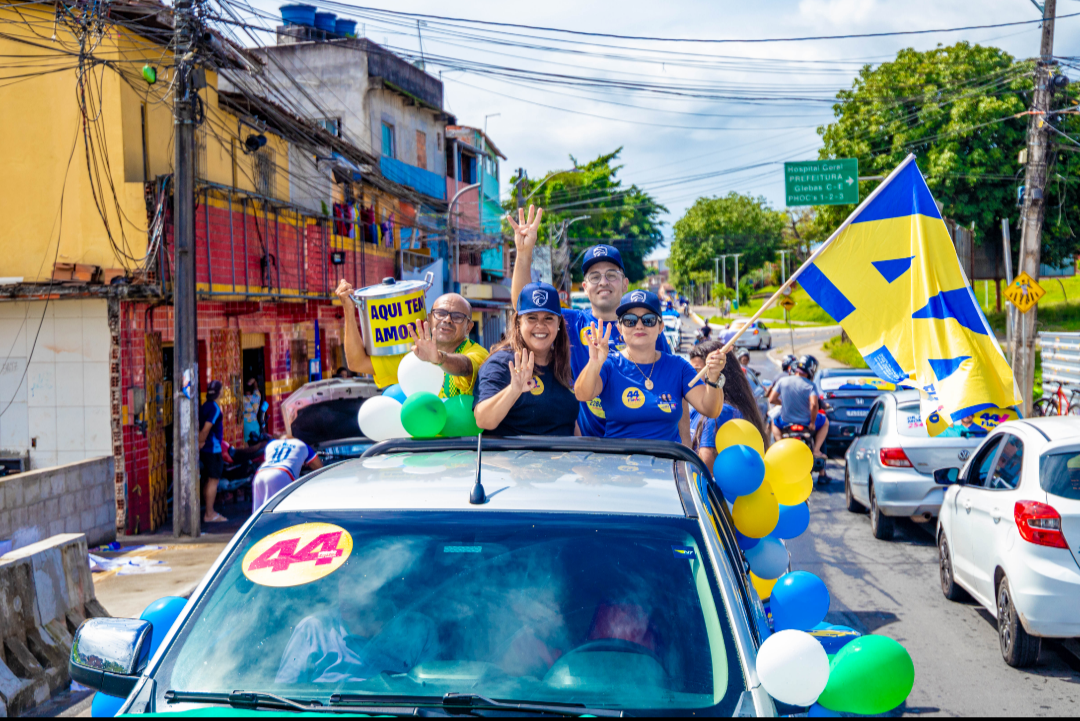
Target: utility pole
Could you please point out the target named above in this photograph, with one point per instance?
(186, 517)
(716, 279)
(1010, 309)
(783, 275)
(736, 279)
(520, 188)
(1038, 159)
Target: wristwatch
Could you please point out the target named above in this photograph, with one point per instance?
(718, 384)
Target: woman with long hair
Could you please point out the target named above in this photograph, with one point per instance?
(738, 403)
(642, 389)
(524, 388)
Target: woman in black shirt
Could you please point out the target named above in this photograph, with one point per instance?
(524, 387)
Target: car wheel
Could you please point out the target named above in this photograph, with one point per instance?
(881, 526)
(852, 505)
(952, 591)
(1018, 647)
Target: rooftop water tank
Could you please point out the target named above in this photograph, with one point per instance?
(298, 14)
(325, 21)
(345, 27)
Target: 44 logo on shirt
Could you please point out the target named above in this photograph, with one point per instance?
(297, 555)
(633, 397)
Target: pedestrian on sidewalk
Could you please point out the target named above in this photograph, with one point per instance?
(726, 307)
(284, 459)
(211, 430)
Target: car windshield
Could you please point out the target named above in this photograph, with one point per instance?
(606, 611)
(1059, 474)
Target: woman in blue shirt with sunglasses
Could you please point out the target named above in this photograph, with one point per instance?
(641, 389)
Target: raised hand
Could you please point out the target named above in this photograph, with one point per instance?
(525, 229)
(344, 292)
(599, 342)
(521, 371)
(714, 365)
(424, 345)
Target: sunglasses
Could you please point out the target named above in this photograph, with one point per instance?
(630, 320)
(455, 316)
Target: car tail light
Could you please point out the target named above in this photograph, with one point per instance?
(1039, 524)
(894, 457)
(755, 331)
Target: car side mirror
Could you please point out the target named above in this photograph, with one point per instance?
(109, 654)
(946, 476)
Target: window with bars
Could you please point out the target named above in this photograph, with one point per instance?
(263, 171)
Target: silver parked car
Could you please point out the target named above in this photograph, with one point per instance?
(552, 576)
(891, 463)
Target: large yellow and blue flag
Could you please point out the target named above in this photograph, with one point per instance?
(892, 280)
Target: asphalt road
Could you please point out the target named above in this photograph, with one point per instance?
(892, 588)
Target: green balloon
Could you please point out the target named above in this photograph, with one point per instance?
(460, 420)
(423, 415)
(870, 675)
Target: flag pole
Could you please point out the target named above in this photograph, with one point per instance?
(814, 256)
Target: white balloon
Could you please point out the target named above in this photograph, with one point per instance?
(768, 559)
(417, 376)
(793, 667)
(380, 419)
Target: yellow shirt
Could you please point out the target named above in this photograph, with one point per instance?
(385, 367)
(463, 385)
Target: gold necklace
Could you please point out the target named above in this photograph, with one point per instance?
(648, 378)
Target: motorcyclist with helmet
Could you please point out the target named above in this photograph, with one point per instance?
(799, 403)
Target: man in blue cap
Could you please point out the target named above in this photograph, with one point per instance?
(605, 283)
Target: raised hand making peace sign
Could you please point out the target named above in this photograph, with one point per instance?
(525, 230)
(598, 342)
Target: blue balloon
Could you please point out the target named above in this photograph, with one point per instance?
(745, 542)
(833, 638)
(162, 614)
(105, 706)
(395, 392)
(794, 520)
(819, 711)
(739, 470)
(799, 601)
(768, 559)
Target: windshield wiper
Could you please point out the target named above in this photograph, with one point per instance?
(244, 699)
(468, 701)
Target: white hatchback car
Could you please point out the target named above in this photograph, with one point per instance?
(1009, 532)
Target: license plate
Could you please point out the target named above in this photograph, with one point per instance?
(858, 414)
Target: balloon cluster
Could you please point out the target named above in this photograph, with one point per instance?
(411, 408)
(805, 662)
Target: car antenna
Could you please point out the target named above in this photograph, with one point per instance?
(478, 496)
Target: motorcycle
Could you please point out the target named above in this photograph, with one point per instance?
(806, 435)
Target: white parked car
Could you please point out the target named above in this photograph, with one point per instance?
(891, 463)
(673, 330)
(757, 337)
(1009, 532)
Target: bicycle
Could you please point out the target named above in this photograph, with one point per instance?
(1057, 405)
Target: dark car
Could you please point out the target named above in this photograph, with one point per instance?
(847, 394)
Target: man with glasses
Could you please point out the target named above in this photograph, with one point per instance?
(605, 284)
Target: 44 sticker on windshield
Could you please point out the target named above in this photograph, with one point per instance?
(297, 555)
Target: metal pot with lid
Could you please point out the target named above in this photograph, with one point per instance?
(386, 312)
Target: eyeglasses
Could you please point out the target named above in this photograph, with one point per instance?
(611, 276)
(630, 320)
(455, 316)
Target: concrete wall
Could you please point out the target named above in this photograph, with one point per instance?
(74, 498)
(59, 406)
(46, 592)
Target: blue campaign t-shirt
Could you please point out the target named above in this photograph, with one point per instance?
(708, 433)
(591, 416)
(634, 411)
(549, 409)
(210, 413)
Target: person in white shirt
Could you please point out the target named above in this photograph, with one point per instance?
(284, 458)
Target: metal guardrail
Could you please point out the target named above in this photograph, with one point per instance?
(1060, 360)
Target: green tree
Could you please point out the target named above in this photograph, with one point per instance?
(716, 226)
(959, 109)
(603, 211)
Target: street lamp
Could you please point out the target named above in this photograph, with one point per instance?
(450, 231)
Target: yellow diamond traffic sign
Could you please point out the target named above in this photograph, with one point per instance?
(1024, 292)
(787, 303)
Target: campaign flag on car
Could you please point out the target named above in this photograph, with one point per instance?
(890, 277)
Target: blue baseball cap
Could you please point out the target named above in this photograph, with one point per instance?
(539, 297)
(601, 254)
(639, 299)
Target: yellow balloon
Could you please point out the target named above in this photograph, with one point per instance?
(763, 586)
(787, 459)
(792, 494)
(757, 514)
(738, 432)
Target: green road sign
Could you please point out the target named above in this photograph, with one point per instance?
(822, 182)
